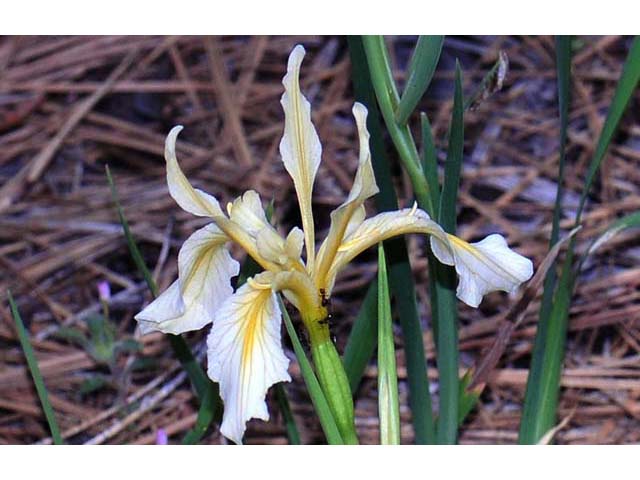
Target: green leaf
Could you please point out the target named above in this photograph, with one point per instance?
(430, 159)
(362, 341)
(318, 399)
(445, 313)
(34, 369)
(624, 91)
(290, 422)
(543, 384)
(384, 86)
(421, 69)
(198, 378)
(388, 408)
(206, 414)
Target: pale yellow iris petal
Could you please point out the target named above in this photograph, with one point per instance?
(300, 146)
(376, 229)
(247, 213)
(205, 269)
(351, 213)
(483, 267)
(191, 199)
(245, 356)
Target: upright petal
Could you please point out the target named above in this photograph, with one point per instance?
(300, 146)
(247, 213)
(483, 267)
(191, 199)
(245, 356)
(350, 214)
(205, 269)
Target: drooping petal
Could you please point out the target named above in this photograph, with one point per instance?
(483, 267)
(300, 147)
(376, 229)
(205, 269)
(347, 215)
(245, 356)
(191, 199)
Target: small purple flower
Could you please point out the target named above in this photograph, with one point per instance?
(104, 291)
(161, 437)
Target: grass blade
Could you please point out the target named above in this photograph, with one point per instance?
(446, 316)
(202, 385)
(533, 392)
(543, 384)
(289, 421)
(32, 363)
(421, 69)
(430, 159)
(318, 399)
(388, 409)
(624, 90)
(399, 273)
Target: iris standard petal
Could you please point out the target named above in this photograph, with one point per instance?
(266, 243)
(300, 147)
(245, 356)
(483, 267)
(205, 269)
(191, 199)
(351, 213)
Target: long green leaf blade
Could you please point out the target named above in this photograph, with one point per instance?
(446, 318)
(289, 421)
(399, 272)
(34, 369)
(421, 69)
(388, 408)
(543, 384)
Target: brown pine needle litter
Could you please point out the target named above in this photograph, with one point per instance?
(70, 105)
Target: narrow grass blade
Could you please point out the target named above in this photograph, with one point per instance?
(421, 69)
(289, 421)
(318, 399)
(534, 381)
(446, 319)
(399, 272)
(624, 90)
(201, 383)
(430, 159)
(563, 68)
(543, 384)
(388, 408)
(205, 416)
(362, 338)
(32, 363)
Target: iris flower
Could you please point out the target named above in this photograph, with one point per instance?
(244, 350)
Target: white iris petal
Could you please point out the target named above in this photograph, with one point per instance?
(205, 269)
(245, 356)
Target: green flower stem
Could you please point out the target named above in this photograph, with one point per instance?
(388, 99)
(333, 380)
